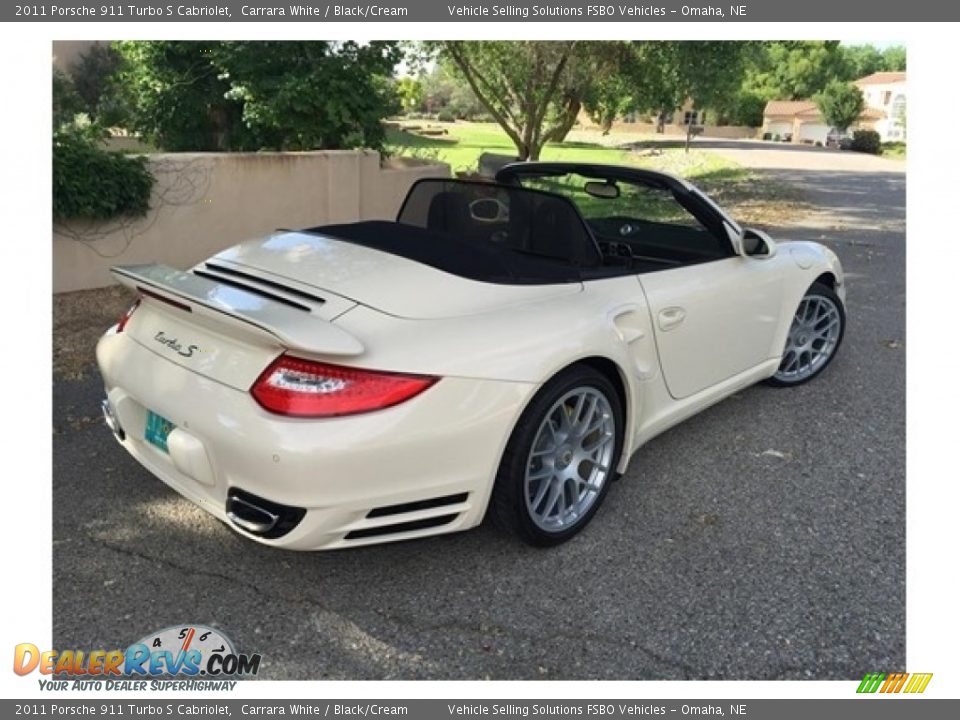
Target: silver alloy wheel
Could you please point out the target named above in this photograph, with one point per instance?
(570, 459)
(812, 339)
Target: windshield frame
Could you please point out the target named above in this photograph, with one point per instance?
(714, 220)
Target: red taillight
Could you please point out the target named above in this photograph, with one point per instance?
(125, 318)
(292, 386)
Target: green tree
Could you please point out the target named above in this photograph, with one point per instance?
(662, 76)
(862, 60)
(67, 102)
(840, 103)
(177, 97)
(444, 89)
(895, 58)
(796, 70)
(517, 82)
(93, 76)
(250, 95)
(410, 93)
(306, 95)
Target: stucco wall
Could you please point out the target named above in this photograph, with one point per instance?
(204, 202)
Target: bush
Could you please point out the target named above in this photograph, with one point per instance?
(446, 116)
(866, 141)
(92, 183)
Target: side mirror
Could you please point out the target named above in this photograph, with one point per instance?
(756, 243)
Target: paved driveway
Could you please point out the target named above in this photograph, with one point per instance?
(763, 538)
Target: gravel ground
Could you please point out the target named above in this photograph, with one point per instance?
(762, 539)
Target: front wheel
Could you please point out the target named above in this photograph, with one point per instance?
(561, 458)
(814, 337)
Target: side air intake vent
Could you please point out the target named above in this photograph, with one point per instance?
(418, 505)
(402, 527)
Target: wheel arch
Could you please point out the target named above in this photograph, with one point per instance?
(616, 374)
(828, 279)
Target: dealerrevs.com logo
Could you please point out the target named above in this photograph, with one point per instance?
(187, 657)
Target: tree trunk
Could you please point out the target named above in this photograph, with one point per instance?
(571, 111)
(523, 152)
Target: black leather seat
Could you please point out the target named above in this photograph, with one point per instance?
(557, 231)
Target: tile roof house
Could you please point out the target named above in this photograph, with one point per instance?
(884, 97)
(886, 94)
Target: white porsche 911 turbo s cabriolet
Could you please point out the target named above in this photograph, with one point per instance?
(503, 346)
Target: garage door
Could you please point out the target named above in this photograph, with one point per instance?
(815, 132)
(780, 128)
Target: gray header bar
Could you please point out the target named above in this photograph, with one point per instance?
(873, 708)
(480, 11)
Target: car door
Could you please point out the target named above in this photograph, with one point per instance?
(713, 320)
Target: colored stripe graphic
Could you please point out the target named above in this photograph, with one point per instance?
(894, 682)
(918, 682)
(870, 683)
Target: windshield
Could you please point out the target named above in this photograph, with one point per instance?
(634, 218)
(513, 219)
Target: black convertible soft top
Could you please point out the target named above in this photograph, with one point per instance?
(482, 231)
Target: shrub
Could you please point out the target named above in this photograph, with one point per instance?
(445, 116)
(866, 141)
(92, 183)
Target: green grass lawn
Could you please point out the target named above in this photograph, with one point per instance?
(750, 199)
(894, 150)
(465, 142)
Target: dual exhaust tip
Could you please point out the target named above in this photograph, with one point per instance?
(110, 418)
(260, 517)
(247, 511)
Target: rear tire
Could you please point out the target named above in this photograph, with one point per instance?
(813, 339)
(560, 459)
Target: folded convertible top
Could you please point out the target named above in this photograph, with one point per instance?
(485, 262)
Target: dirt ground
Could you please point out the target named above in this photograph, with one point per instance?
(79, 319)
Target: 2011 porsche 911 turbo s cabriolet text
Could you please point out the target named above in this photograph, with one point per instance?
(502, 345)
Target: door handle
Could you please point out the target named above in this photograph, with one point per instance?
(670, 318)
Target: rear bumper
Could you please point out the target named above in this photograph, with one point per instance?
(421, 468)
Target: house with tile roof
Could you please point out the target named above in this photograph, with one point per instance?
(800, 121)
(886, 93)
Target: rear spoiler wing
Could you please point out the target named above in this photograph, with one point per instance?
(292, 327)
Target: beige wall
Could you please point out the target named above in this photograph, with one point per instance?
(204, 202)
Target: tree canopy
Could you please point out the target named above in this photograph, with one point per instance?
(519, 83)
(840, 103)
(536, 90)
(251, 95)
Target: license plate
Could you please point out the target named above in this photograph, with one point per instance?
(157, 430)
